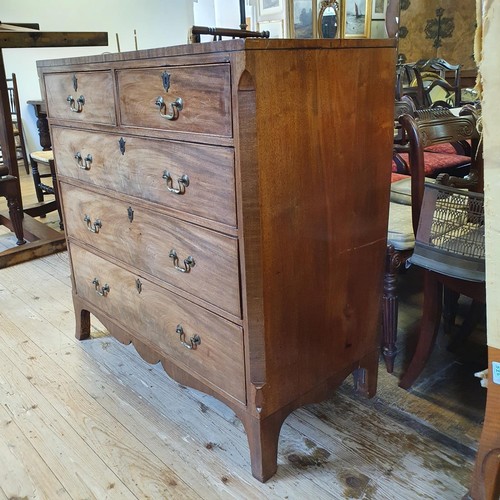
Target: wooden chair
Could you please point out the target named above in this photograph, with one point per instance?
(17, 124)
(438, 89)
(409, 84)
(450, 247)
(427, 128)
(43, 207)
(452, 158)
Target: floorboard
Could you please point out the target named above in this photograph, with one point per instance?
(91, 419)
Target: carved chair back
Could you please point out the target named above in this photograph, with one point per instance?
(15, 111)
(409, 83)
(427, 128)
(442, 70)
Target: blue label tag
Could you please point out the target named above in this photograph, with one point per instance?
(495, 366)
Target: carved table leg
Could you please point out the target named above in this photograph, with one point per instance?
(486, 478)
(390, 308)
(43, 131)
(16, 217)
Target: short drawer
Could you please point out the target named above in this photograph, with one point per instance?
(82, 96)
(185, 99)
(193, 178)
(202, 343)
(195, 259)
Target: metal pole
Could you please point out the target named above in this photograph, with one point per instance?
(243, 16)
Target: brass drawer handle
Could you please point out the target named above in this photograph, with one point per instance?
(188, 262)
(83, 163)
(183, 183)
(100, 290)
(175, 106)
(194, 341)
(76, 105)
(92, 227)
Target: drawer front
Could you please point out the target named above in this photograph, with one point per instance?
(91, 102)
(156, 314)
(197, 260)
(198, 98)
(152, 169)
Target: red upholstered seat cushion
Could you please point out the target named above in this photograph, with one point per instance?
(435, 163)
(445, 148)
(463, 148)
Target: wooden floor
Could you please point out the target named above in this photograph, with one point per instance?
(91, 419)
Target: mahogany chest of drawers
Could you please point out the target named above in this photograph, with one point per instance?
(226, 211)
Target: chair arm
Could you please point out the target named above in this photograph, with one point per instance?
(469, 181)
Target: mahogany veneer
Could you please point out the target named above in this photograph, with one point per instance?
(238, 242)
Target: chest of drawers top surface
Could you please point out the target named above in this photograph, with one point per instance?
(152, 89)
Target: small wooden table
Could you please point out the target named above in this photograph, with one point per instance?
(41, 240)
(42, 123)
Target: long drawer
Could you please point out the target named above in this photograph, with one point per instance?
(197, 340)
(192, 258)
(197, 179)
(83, 96)
(185, 99)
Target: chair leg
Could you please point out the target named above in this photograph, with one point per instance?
(390, 309)
(450, 300)
(429, 327)
(470, 322)
(56, 192)
(16, 217)
(23, 151)
(36, 180)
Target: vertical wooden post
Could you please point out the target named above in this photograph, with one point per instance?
(486, 479)
(6, 131)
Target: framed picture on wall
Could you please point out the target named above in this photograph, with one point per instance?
(275, 28)
(357, 15)
(302, 15)
(378, 9)
(270, 8)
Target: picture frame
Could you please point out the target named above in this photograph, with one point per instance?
(357, 18)
(379, 8)
(270, 8)
(353, 18)
(276, 28)
(302, 18)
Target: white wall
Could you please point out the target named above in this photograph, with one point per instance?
(217, 13)
(227, 13)
(157, 22)
(204, 13)
(490, 70)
